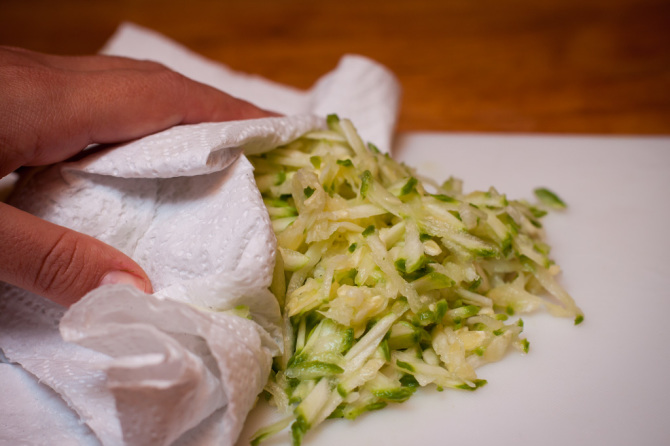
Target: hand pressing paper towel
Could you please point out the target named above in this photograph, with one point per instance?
(181, 366)
(358, 88)
(181, 356)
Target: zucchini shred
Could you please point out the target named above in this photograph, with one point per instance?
(389, 281)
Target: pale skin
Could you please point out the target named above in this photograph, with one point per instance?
(55, 106)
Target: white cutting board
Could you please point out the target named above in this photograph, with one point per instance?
(605, 382)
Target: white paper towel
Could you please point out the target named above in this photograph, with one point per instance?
(56, 426)
(179, 366)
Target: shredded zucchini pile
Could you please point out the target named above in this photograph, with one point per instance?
(386, 286)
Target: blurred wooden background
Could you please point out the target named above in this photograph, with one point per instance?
(558, 66)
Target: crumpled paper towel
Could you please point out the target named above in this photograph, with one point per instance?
(181, 366)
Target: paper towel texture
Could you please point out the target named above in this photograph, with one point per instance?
(181, 366)
(57, 426)
(175, 365)
(197, 149)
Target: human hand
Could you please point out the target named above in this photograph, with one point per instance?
(55, 106)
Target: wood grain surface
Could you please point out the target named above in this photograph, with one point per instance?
(551, 66)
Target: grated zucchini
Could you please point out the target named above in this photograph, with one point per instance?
(388, 283)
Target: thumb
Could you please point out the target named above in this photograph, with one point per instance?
(58, 263)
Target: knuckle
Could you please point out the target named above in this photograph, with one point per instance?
(61, 267)
(176, 88)
(27, 108)
(18, 99)
(173, 79)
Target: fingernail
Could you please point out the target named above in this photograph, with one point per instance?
(122, 277)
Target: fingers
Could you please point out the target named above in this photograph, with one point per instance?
(54, 106)
(128, 104)
(94, 62)
(58, 263)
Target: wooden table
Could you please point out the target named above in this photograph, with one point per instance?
(558, 66)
